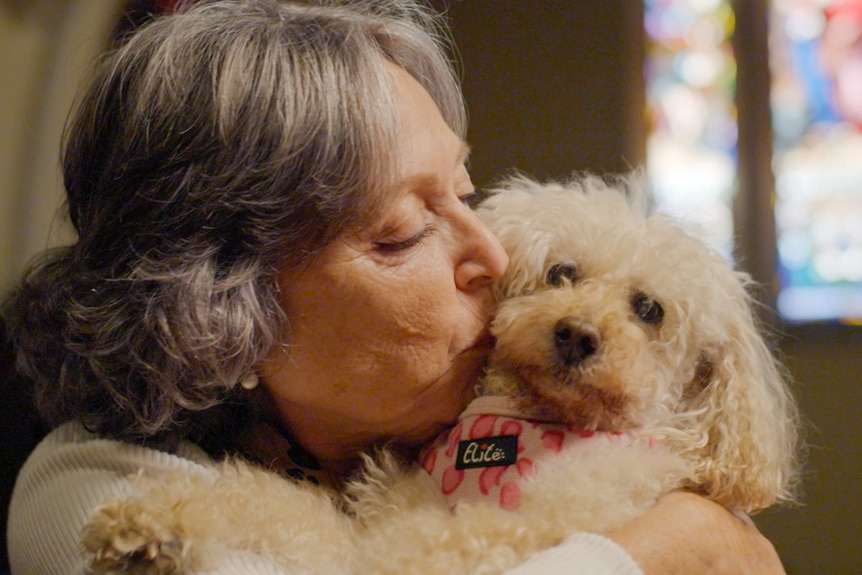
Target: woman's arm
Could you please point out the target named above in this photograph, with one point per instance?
(686, 534)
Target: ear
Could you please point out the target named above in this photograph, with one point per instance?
(744, 441)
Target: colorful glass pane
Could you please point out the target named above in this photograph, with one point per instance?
(692, 133)
(816, 96)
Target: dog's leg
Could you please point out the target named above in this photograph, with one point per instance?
(134, 537)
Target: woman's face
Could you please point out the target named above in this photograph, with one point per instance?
(388, 324)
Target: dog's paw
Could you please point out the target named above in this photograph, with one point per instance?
(132, 537)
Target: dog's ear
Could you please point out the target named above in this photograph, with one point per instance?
(744, 442)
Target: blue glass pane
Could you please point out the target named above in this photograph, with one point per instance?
(816, 64)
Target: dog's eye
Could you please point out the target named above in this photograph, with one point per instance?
(559, 272)
(647, 309)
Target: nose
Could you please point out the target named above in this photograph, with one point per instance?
(484, 259)
(575, 341)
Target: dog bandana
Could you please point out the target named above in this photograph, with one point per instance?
(493, 447)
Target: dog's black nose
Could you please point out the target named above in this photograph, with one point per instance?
(575, 341)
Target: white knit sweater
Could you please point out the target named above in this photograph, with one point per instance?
(72, 471)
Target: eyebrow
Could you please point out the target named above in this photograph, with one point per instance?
(431, 179)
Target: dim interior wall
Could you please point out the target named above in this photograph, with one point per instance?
(822, 534)
(544, 96)
(45, 48)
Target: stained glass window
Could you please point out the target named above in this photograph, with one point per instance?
(816, 96)
(691, 147)
(815, 59)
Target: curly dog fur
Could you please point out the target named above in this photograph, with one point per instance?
(609, 319)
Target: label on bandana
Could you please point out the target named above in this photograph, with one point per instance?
(494, 448)
(487, 452)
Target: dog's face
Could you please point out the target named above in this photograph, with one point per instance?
(603, 311)
(609, 319)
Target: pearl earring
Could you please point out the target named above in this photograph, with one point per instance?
(250, 381)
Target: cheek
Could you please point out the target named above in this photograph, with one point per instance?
(406, 309)
(418, 299)
(373, 323)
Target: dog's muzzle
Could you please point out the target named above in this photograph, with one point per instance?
(575, 341)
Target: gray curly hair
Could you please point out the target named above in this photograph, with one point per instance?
(215, 148)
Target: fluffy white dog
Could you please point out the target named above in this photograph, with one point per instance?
(627, 351)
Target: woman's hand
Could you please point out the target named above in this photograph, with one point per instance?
(686, 534)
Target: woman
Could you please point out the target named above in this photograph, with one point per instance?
(276, 258)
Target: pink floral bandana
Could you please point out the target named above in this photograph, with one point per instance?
(493, 447)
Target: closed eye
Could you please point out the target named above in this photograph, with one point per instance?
(394, 247)
(471, 200)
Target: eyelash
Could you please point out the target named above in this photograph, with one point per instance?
(393, 247)
(471, 200)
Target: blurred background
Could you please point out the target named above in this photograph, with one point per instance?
(746, 114)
